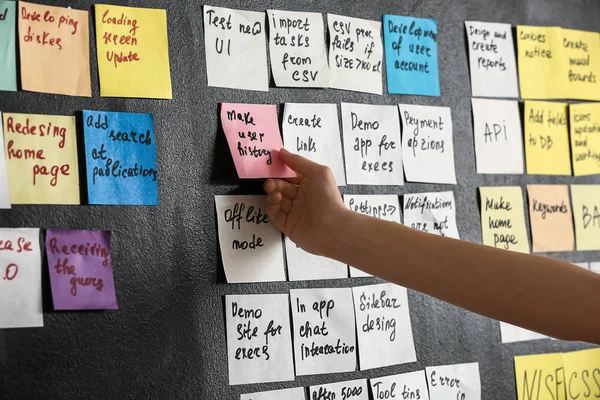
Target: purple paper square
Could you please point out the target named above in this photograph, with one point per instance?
(81, 272)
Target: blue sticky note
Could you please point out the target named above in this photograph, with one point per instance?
(120, 155)
(411, 57)
(8, 55)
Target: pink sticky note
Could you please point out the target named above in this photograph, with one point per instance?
(252, 132)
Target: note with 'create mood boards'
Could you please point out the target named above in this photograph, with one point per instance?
(4, 193)
(8, 53)
(582, 57)
(412, 385)
(236, 49)
(20, 278)
(459, 381)
(355, 390)
(431, 213)
(259, 339)
(250, 246)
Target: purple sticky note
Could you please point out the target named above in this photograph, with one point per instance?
(81, 272)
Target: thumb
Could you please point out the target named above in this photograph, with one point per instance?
(298, 163)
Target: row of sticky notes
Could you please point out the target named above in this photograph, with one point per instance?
(550, 214)
(554, 63)
(54, 50)
(569, 376)
(548, 151)
(374, 152)
(80, 267)
(39, 163)
(252, 251)
(458, 381)
(236, 51)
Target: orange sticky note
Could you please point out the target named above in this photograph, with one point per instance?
(54, 46)
(551, 218)
(253, 136)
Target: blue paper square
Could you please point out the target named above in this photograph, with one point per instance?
(411, 58)
(120, 156)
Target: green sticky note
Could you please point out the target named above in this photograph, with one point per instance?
(8, 61)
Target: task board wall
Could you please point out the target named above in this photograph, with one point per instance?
(167, 340)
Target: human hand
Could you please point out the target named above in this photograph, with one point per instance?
(306, 208)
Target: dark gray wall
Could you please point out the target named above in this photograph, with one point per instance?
(168, 339)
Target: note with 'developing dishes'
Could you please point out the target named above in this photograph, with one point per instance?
(8, 53)
(586, 214)
(133, 52)
(20, 278)
(54, 48)
(41, 159)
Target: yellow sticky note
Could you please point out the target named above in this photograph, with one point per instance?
(585, 138)
(540, 377)
(41, 159)
(503, 218)
(582, 373)
(582, 56)
(586, 213)
(546, 138)
(54, 47)
(541, 62)
(133, 52)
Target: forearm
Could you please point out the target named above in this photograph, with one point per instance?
(542, 294)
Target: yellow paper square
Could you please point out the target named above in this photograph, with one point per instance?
(582, 56)
(585, 138)
(503, 218)
(54, 48)
(550, 218)
(41, 159)
(582, 373)
(586, 213)
(546, 138)
(133, 52)
(540, 377)
(541, 62)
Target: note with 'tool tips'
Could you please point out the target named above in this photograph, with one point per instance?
(459, 381)
(351, 390)
(4, 193)
(297, 49)
(324, 338)
(427, 149)
(355, 54)
(8, 53)
(386, 207)
(383, 324)
(550, 218)
(492, 61)
(81, 271)
(236, 49)
(372, 144)
(259, 339)
(54, 47)
(431, 213)
(251, 247)
(252, 132)
(283, 394)
(586, 214)
(20, 278)
(412, 385)
(498, 136)
(582, 57)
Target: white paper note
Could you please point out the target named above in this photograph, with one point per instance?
(595, 267)
(412, 385)
(251, 248)
(297, 49)
(355, 54)
(386, 207)
(313, 131)
(350, 390)
(492, 60)
(459, 381)
(20, 278)
(498, 136)
(583, 265)
(511, 333)
(259, 338)
(427, 149)
(372, 144)
(236, 49)
(284, 394)
(303, 266)
(432, 213)
(383, 325)
(324, 339)
(4, 193)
